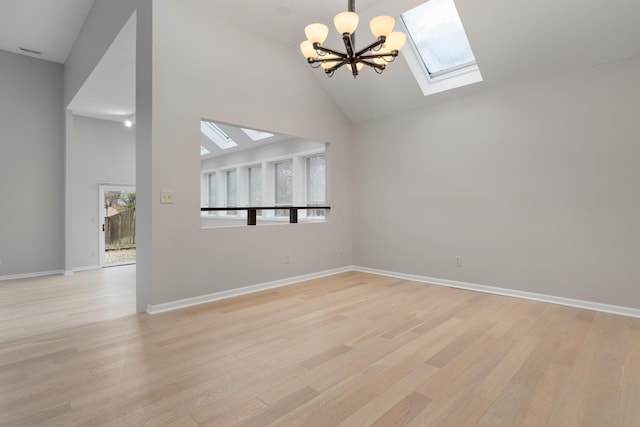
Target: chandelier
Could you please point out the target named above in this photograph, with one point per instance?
(382, 51)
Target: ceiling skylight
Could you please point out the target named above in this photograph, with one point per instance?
(204, 151)
(217, 135)
(437, 33)
(256, 135)
(440, 45)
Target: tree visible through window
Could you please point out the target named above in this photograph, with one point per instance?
(211, 191)
(284, 186)
(231, 191)
(255, 186)
(316, 177)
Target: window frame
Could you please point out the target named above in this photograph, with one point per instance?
(462, 75)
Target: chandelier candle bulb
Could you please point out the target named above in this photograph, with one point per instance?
(381, 26)
(316, 33)
(346, 22)
(395, 41)
(359, 66)
(307, 49)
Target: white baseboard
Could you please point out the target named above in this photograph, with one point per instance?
(588, 305)
(29, 275)
(85, 268)
(188, 302)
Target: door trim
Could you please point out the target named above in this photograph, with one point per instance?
(102, 188)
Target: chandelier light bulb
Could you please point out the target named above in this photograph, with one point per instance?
(346, 22)
(359, 66)
(306, 47)
(382, 25)
(316, 33)
(395, 40)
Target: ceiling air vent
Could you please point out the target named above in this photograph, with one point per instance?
(35, 52)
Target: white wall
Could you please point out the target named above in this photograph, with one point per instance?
(535, 186)
(103, 152)
(31, 165)
(283, 96)
(104, 22)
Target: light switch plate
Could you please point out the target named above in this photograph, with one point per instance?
(166, 197)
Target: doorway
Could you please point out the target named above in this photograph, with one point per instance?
(117, 205)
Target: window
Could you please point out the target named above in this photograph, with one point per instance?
(264, 170)
(441, 57)
(213, 132)
(255, 186)
(211, 191)
(283, 186)
(256, 135)
(316, 177)
(231, 190)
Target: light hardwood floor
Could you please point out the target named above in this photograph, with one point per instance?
(43, 304)
(348, 350)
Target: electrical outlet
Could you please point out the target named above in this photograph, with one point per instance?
(166, 197)
(287, 260)
(458, 261)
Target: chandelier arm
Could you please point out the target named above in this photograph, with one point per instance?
(323, 60)
(335, 67)
(393, 53)
(381, 67)
(316, 46)
(372, 46)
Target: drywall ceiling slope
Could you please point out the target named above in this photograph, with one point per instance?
(109, 92)
(47, 26)
(513, 41)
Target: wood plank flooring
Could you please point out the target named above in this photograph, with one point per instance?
(43, 304)
(349, 350)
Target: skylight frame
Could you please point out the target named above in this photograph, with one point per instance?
(439, 81)
(257, 135)
(217, 135)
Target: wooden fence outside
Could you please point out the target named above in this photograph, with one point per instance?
(120, 230)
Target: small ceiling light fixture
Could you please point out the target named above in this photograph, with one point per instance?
(128, 123)
(384, 50)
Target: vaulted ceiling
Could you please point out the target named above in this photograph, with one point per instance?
(513, 40)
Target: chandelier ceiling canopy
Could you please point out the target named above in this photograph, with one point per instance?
(376, 55)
